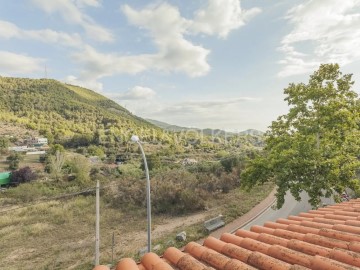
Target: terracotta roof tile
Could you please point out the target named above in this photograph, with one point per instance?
(327, 238)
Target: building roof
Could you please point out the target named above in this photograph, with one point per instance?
(326, 238)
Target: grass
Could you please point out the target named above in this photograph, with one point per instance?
(60, 234)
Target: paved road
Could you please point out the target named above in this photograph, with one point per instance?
(291, 207)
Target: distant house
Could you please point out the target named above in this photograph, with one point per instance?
(37, 141)
(22, 148)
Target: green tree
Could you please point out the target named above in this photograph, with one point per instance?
(153, 162)
(79, 167)
(315, 147)
(14, 160)
(4, 144)
(56, 163)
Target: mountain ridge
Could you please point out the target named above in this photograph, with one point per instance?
(207, 131)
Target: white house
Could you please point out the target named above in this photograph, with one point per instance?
(38, 140)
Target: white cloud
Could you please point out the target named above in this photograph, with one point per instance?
(12, 63)
(136, 93)
(92, 3)
(220, 17)
(90, 84)
(9, 30)
(231, 113)
(208, 107)
(167, 28)
(71, 12)
(97, 65)
(330, 28)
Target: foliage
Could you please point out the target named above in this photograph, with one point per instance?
(55, 164)
(22, 175)
(153, 162)
(79, 168)
(4, 144)
(94, 150)
(56, 148)
(68, 114)
(231, 162)
(14, 159)
(315, 147)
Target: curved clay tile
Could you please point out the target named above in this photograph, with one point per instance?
(352, 223)
(322, 263)
(325, 241)
(290, 256)
(287, 221)
(126, 263)
(345, 236)
(215, 259)
(328, 221)
(316, 225)
(101, 267)
(230, 238)
(339, 217)
(236, 252)
(141, 267)
(255, 245)
(345, 256)
(182, 260)
(308, 248)
(272, 239)
(246, 234)
(288, 234)
(262, 261)
(154, 262)
(297, 218)
(346, 228)
(274, 225)
(302, 229)
(346, 213)
(354, 246)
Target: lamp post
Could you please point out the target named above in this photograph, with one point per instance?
(136, 139)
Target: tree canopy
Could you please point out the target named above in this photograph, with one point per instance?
(315, 147)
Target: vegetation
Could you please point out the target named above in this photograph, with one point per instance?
(315, 147)
(59, 234)
(22, 175)
(14, 160)
(87, 134)
(68, 114)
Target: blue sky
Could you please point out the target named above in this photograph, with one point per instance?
(202, 63)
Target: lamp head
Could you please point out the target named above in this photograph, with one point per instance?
(135, 138)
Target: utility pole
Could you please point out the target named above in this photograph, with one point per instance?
(97, 225)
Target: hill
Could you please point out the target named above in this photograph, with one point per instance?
(206, 131)
(60, 111)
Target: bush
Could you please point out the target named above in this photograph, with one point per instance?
(22, 175)
(14, 160)
(176, 192)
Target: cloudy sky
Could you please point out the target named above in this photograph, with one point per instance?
(201, 63)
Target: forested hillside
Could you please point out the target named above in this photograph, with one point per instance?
(60, 110)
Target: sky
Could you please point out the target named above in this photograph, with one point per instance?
(201, 63)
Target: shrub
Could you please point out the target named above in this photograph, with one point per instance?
(22, 175)
(14, 160)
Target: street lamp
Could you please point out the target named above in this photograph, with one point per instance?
(136, 139)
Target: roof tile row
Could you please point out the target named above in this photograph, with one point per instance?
(326, 238)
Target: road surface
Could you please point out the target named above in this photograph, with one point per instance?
(291, 207)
